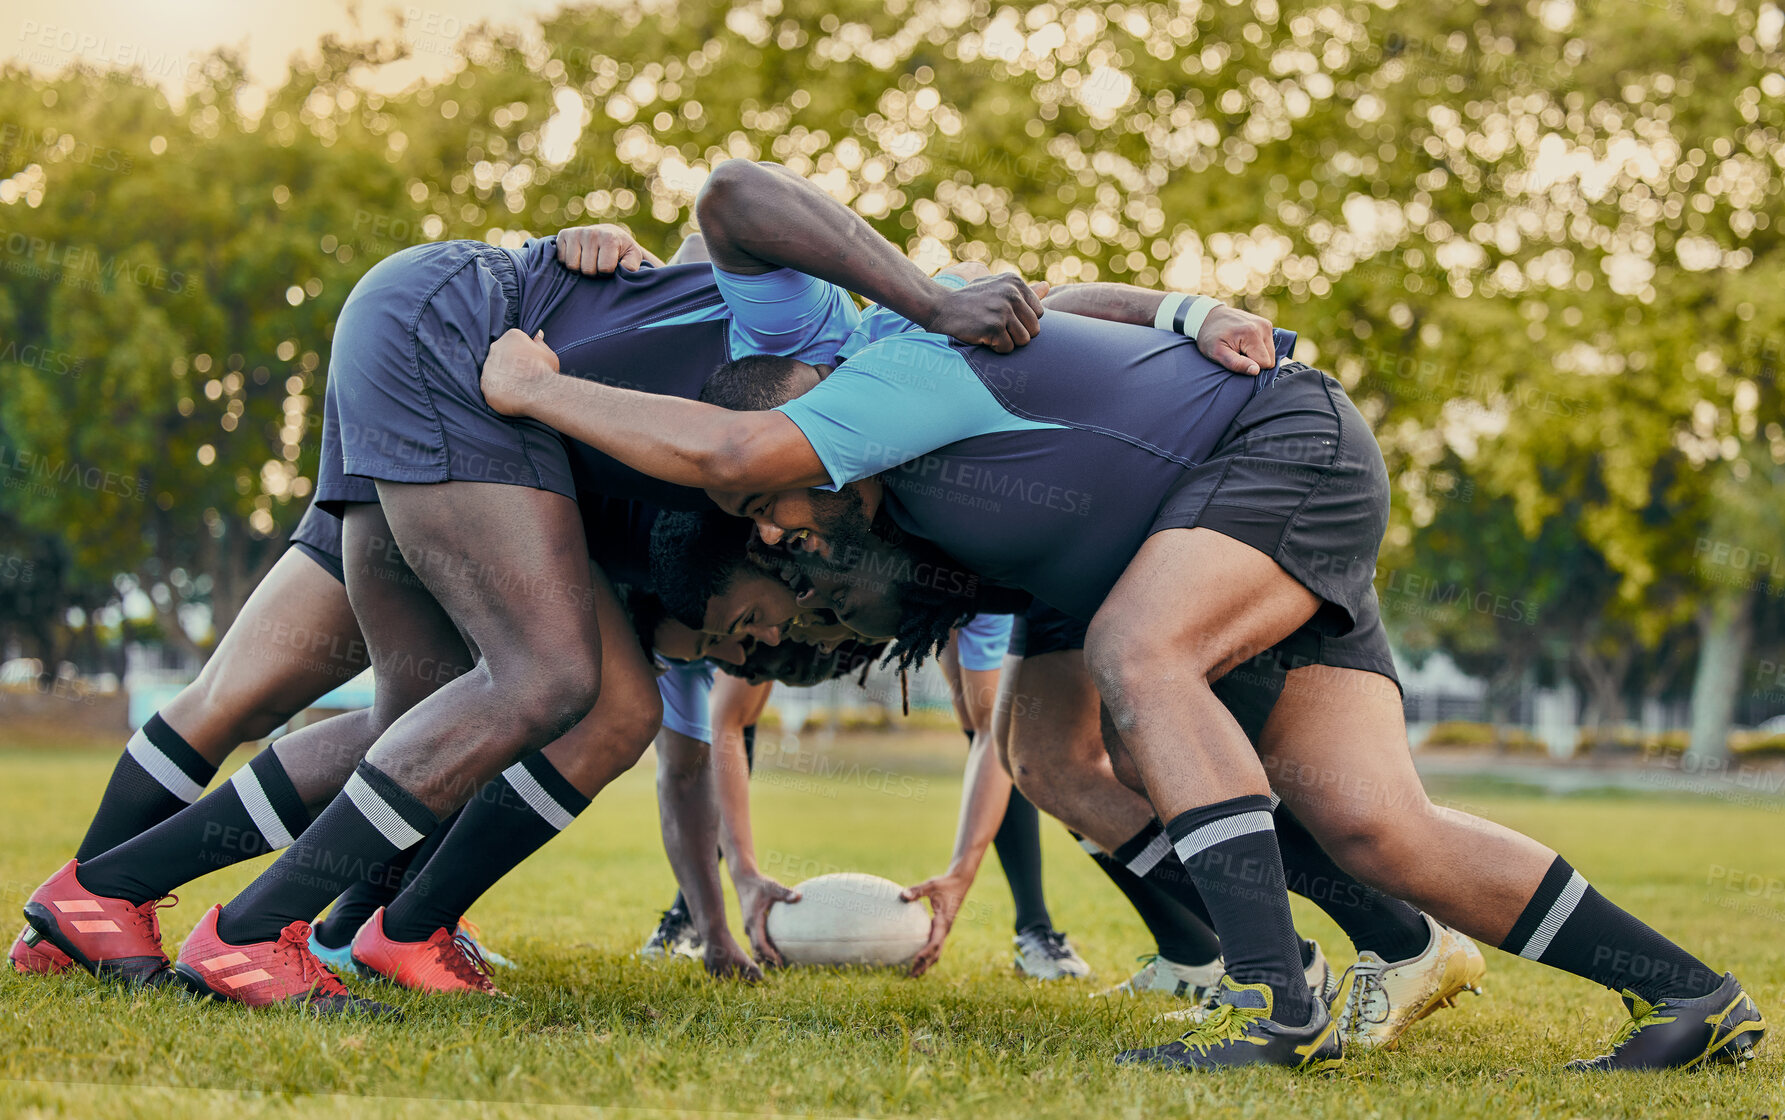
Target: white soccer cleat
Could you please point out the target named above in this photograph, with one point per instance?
(1157, 974)
(673, 937)
(1045, 954)
(1319, 975)
(1381, 999)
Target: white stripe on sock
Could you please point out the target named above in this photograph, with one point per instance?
(1559, 911)
(384, 818)
(1090, 846)
(260, 810)
(1223, 830)
(537, 798)
(1150, 856)
(162, 769)
(1275, 801)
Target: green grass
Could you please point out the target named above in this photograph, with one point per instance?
(591, 1027)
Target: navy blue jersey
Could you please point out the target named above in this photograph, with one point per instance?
(658, 330)
(1041, 469)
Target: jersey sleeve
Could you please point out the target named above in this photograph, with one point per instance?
(787, 312)
(894, 401)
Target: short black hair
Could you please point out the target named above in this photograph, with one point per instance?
(694, 557)
(753, 383)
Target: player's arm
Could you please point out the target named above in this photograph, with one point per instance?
(691, 250)
(737, 704)
(1238, 339)
(758, 217)
(984, 798)
(680, 441)
(688, 813)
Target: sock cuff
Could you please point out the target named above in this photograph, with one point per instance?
(1143, 852)
(170, 760)
(395, 812)
(270, 800)
(547, 792)
(1555, 899)
(1196, 830)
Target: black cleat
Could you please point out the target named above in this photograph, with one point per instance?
(1724, 1026)
(1235, 1029)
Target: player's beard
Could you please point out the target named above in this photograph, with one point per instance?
(844, 524)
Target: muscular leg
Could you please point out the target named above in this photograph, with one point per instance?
(1191, 605)
(1336, 747)
(295, 640)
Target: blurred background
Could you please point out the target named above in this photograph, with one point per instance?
(1538, 242)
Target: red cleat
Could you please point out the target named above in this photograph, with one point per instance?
(32, 954)
(263, 973)
(445, 962)
(110, 937)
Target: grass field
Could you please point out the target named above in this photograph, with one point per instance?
(593, 1029)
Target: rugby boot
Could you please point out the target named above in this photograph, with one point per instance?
(112, 938)
(1193, 982)
(1380, 1000)
(673, 937)
(1317, 971)
(1235, 1029)
(1045, 954)
(267, 973)
(1724, 1026)
(32, 954)
(445, 962)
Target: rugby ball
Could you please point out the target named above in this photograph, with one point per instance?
(848, 919)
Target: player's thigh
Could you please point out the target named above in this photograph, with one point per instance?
(1335, 749)
(1052, 713)
(295, 640)
(414, 647)
(510, 566)
(1192, 601)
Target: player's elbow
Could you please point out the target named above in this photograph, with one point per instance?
(724, 205)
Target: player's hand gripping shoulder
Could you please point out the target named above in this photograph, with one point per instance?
(1238, 339)
(601, 249)
(519, 369)
(1000, 311)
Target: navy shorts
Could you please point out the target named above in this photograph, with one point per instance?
(1299, 477)
(318, 536)
(404, 402)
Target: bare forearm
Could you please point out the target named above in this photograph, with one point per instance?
(688, 812)
(731, 777)
(762, 216)
(985, 796)
(1118, 303)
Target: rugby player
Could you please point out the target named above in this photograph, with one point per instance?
(1195, 519)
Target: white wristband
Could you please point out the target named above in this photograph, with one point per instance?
(1184, 314)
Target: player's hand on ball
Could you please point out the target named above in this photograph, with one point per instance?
(725, 959)
(1239, 340)
(756, 893)
(998, 311)
(599, 250)
(518, 369)
(946, 893)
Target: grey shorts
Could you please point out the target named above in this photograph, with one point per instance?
(404, 402)
(318, 536)
(1299, 477)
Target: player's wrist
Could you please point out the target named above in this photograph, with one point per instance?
(1183, 313)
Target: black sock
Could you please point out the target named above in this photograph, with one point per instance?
(1019, 852)
(510, 819)
(255, 812)
(1388, 927)
(368, 824)
(750, 749)
(157, 775)
(1147, 856)
(1230, 850)
(1570, 926)
(358, 901)
(1180, 936)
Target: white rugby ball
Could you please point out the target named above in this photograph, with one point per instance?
(849, 919)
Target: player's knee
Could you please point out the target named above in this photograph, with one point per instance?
(553, 696)
(1121, 661)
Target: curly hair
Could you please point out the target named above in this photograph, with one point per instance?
(694, 557)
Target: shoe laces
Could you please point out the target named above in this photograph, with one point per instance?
(460, 956)
(294, 943)
(1050, 943)
(1368, 999)
(1643, 1014)
(1220, 1024)
(147, 918)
